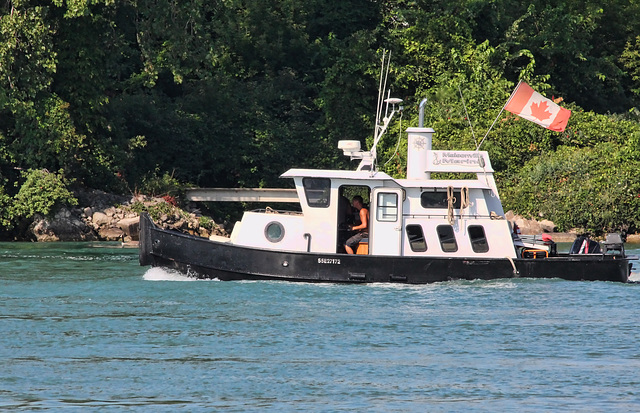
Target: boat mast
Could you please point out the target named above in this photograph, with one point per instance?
(351, 148)
(369, 159)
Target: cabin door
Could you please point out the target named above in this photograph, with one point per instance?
(386, 221)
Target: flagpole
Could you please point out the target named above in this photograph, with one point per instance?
(501, 110)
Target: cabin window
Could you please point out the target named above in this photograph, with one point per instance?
(387, 209)
(416, 238)
(274, 231)
(432, 199)
(317, 191)
(478, 238)
(447, 238)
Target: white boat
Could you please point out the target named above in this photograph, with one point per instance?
(421, 230)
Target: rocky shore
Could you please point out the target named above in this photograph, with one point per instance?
(106, 217)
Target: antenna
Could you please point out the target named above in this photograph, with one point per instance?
(384, 72)
(381, 127)
(352, 148)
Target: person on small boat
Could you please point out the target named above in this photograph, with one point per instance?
(363, 228)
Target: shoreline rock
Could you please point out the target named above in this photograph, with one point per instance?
(107, 217)
(530, 226)
(534, 227)
(64, 226)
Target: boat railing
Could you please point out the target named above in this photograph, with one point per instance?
(532, 239)
(445, 216)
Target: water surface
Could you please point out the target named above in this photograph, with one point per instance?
(83, 326)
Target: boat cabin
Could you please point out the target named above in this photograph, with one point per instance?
(416, 216)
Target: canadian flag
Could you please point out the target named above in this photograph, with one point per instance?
(531, 105)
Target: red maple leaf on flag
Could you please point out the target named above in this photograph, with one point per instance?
(539, 111)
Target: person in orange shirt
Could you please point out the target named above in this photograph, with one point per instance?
(363, 228)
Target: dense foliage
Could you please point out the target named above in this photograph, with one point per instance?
(41, 193)
(128, 95)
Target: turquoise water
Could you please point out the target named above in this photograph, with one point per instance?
(82, 326)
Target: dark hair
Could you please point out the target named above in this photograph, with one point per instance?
(358, 198)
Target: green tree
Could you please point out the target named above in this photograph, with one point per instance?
(577, 43)
(631, 60)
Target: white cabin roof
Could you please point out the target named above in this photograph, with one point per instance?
(334, 174)
(381, 176)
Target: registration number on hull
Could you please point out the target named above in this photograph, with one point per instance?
(334, 261)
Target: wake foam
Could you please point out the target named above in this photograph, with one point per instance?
(163, 274)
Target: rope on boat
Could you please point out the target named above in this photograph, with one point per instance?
(464, 197)
(450, 201)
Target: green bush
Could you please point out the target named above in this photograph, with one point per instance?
(41, 193)
(155, 211)
(156, 185)
(5, 209)
(206, 222)
(138, 207)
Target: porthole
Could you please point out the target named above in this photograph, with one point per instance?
(274, 231)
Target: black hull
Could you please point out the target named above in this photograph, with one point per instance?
(202, 258)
